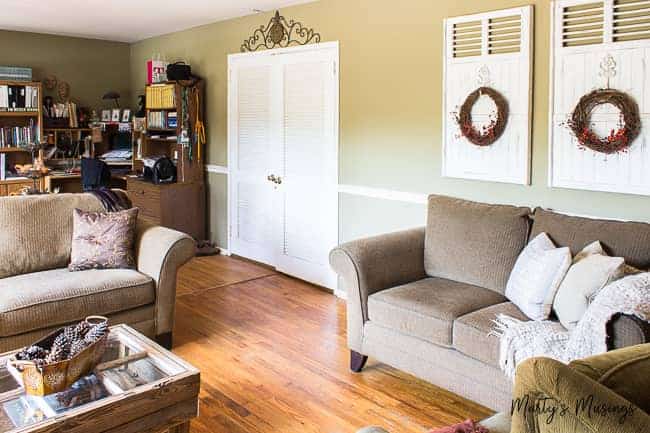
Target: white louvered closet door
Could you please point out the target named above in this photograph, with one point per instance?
(307, 203)
(253, 133)
(293, 118)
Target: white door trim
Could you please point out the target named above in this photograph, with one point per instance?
(231, 139)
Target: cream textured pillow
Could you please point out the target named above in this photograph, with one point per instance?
(585, 278)
(536, 276)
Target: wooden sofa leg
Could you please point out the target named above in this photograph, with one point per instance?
(357, 361)
(165, 340)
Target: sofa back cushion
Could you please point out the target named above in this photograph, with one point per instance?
(36, 231)
(630, 240)
(474, 243)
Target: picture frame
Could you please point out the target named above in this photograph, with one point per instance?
(115, 115)
(106, 115)
(126, 115)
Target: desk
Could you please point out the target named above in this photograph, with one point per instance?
(71, 183)
(179, 206)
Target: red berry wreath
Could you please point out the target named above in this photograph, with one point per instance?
(618, 140)
(490, 133)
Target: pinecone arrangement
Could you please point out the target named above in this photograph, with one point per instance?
(69, 343)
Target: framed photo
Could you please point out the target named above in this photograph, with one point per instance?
(126, 115)
(106, 115)
(115, 115)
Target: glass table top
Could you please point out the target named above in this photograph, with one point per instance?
(126, 365)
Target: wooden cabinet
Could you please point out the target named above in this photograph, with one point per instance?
(13, 187)
(179, 206)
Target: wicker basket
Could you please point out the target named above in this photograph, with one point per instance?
(59, 376)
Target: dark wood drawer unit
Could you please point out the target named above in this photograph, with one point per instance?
(180, 206)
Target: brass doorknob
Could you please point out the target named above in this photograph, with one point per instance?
(278, 180)
(271, 178)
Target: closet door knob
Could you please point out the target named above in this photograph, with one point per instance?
(271, 178)
(278, 180)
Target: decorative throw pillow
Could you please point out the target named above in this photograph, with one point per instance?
(585, 278)
(103, 240)
(536, 276)
(593, 248)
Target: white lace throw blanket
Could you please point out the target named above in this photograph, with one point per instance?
(522, 340)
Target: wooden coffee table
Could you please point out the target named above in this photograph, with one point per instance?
(138, 387)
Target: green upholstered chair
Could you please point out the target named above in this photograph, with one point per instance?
(607, 393)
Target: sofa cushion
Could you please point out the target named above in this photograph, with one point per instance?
(427, 308)
(630, 240)
(43, 299)
(35, 231)
(474, 243)
(472, 332)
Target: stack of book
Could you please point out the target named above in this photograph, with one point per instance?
(18, 98)
(161, 120)
(162, 96)
(15, 73)
(17, 136)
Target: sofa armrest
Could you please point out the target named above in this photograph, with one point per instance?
(369, 265)
(547, 383)
(160, 252)
(625, 330)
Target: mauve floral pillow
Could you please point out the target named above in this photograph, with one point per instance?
(103, 240)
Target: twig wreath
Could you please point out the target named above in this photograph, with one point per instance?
(491, 132)
(618, 140)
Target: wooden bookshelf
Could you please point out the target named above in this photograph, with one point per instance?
(155, 141)
(179, 205)
(19, 113)
(19, 154)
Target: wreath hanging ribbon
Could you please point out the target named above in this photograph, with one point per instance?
(490, 133)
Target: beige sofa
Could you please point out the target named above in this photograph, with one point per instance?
(38, 293)
(423, 300)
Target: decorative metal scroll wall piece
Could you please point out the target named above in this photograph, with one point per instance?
(279, 33)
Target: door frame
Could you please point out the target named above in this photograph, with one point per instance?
(334, 45)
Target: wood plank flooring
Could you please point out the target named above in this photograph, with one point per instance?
(273, 358)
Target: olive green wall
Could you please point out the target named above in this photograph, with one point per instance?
(90, 66)
(391, 99)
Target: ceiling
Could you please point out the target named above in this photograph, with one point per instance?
(124, 20)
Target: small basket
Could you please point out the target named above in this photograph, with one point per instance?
(56, 377)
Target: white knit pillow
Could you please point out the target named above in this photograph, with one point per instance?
(536, 276)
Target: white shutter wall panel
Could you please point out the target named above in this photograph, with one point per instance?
(587, 36)
(491, 49)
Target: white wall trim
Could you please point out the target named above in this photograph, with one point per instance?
(385, 194)
(212, 168)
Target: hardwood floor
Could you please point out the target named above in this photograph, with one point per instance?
(273, 358)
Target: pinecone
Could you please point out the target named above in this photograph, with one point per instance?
(96, 332)
(31, 353)
(71, 333)
(77, 347)
(58, 353)
(83, 327)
